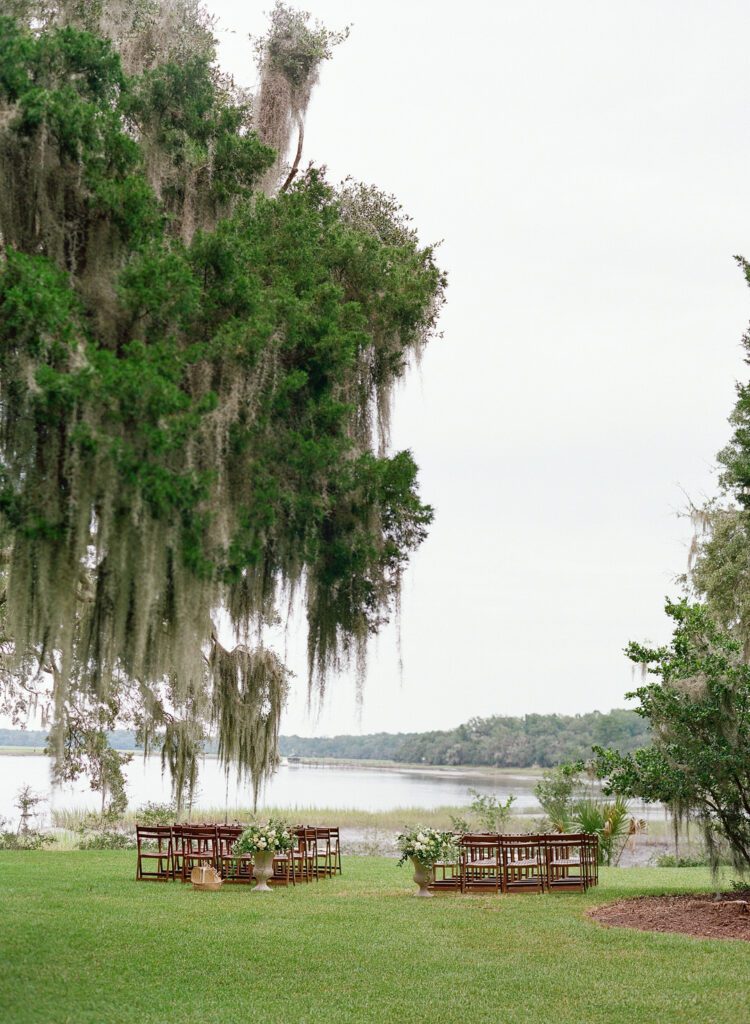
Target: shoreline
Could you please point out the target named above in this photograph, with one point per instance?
(451, 771)
(439, 770)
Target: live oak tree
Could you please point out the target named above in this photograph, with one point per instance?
(199, 345)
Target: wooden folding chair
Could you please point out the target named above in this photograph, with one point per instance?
(335, 843)
(198, 848)
(325, 851)
(523, 863)
(301, 868)
(233, 867)
(176, 851)
(161, 836)
(481, 863)
(311, 857)
(304, 853)
(283, 870)
(446, 875)
(591, 857)
(568, 862)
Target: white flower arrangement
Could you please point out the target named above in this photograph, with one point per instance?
(426, 845)
(273, 837)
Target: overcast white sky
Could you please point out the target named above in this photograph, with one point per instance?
(587, 166)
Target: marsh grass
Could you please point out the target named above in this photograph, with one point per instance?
(347, 817)
(350, 817)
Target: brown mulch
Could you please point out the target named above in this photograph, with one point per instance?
(727, 917)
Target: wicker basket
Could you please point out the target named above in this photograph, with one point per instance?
(207, 879)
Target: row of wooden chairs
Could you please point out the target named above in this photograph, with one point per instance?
(169, 852)
(520, 863)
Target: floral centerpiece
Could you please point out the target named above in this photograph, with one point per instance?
(263, 842)
(425, 846)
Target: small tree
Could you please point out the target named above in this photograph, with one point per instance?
(699, 710)
(27, 836)
(555, 793)
(491, 812)
(27, 801)
(87, 752)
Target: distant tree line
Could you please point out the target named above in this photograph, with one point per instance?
(118, 739)
(544, 740)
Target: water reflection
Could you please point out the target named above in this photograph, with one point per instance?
(296, 785)
(293, 786)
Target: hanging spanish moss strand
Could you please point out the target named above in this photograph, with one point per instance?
(249, 692)
(289, 58)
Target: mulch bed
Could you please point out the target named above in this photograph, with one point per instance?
(727, 917)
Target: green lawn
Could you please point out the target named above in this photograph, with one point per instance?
(81, 942)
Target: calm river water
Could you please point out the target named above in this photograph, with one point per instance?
(368, 789)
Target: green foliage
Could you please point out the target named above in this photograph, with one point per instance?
(491, 812)
(721, 572)
(508, 742)
(106, 830)
(669, 860)
(106, 839)
(26, 837)
(187, 116)
(699, 711)
(271, 837)
(459, 823)
(152, 813)
(293, 46)
(86, 751)
(556, 791)
(544, 740)
(31, 840)
(736, 456)
(610, 821)
(426, 845)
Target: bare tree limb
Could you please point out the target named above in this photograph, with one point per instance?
(298, 156)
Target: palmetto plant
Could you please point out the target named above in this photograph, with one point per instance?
(611, 821)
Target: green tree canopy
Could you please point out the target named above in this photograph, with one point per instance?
(198, 351)
(699, 712)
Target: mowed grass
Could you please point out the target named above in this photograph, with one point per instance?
(81, 941)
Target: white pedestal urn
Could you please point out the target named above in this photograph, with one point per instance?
(422, 876)
(262, 869)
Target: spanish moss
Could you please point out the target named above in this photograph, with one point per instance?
(196, 378)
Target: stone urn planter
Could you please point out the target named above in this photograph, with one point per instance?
(422, 876)
(262, 870)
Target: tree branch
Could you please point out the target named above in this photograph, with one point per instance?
(298, 155)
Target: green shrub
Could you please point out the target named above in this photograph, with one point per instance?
(25, 840)
(107, 839)
(152, 813)
(611, 822)
(555, 792)
(490, 812)
(668, 860)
